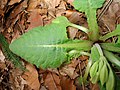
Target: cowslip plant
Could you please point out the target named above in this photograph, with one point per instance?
(48, 46)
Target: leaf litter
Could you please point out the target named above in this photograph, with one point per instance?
(20, 15)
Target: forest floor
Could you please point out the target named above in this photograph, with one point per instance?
(19, 16)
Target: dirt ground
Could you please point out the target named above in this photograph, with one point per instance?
(19, 16)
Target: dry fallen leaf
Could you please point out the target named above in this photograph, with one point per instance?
(32, 4)
(31, 77)
(15, 14)
(70, 1)
(52, 3)
(17, 83)
(3, 4)
(94, 87)
(52, 81)
(72, 32)
(35, 19)
(70, 71)
(2, 57)
(2, 66)
(109, 17)
(13, 2)
(67, 84)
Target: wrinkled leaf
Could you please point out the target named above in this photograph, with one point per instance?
(47, 46)
(111, 34)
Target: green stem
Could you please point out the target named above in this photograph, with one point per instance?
(80, 27)
(99, 49)
(93, 26)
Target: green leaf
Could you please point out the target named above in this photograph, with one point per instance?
(114, 47)
(64, 22)
(84, 5)
(102, 87)
(118, 41)
(101, 63)
(94, 69)
(111, 81)
(47, 46)
(104, 74)
(111, 34)
(95, 79)
(112, 58)
(94, 54)
(90, 7)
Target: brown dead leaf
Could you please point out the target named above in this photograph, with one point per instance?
(2, 57)
(51, 4)
(2, 66)
(31, 77)
(109, 18)
(73, 16)
(70, 1)
(13, 2)
(61, 9)
(33, 4)
(35, 19)
(16, 35)
(15, 14)
(94, 86)
(67, 84)
(43, 88)
(52, 81)
(70, 69)
(15, 79)
(3, 4)
(72, 32)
